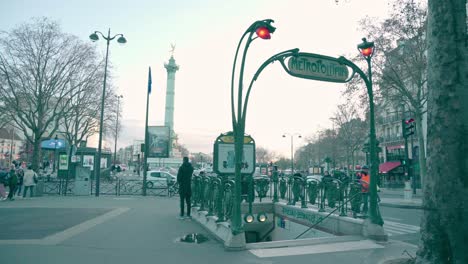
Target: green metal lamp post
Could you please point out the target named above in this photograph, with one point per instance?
(367, 50)
(121, 40)
(263, 30)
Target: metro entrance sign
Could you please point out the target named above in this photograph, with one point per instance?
(317, 67)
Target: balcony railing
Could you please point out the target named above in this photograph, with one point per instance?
(388, 119)
(392, 138)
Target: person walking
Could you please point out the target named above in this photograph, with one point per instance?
(29, 181)
(365, 180)
(12, 182)
(3, 182)
(184, 179)
(20, 174)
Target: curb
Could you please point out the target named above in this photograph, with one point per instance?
(404, 206)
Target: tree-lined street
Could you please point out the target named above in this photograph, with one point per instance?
(384, 176)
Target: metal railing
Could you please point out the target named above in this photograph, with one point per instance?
(54, 186)
(215, 194)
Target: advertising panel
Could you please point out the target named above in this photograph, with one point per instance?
(226, 158)
(159, 140)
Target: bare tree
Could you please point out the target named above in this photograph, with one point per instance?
(264, 155)
(41, 72)
(400, 62)
(444, 231)
(352, 131)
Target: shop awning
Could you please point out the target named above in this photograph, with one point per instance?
(50, 144)
(388, 166)
(396, 147)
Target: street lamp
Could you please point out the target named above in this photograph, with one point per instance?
(366, 49)
(263, 29)
(121, 40)
(117, 128)
(292, 148)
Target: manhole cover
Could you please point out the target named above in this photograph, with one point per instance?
(193, 238)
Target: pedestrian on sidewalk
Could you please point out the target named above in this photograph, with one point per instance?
(184, 179)
(365, 180)
(30, 179)
(3, 182)
(12, 182)
(20, 173)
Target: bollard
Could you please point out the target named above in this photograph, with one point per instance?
(408, 193)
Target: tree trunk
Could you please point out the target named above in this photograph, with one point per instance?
(36, 154)
(422, 150)
(444, 231)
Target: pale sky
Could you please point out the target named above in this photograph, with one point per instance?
(206, 33)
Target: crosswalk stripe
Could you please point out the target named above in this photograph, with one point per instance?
(393, 231)
(402, 226)
(391, 219)
(407, 230)
(395, 228)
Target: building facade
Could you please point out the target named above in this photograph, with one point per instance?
(11, 145)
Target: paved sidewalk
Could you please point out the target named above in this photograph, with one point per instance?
(144, 230)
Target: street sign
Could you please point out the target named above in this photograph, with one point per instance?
(225, 158)
(317, 67)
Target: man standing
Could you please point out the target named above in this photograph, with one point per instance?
(20, 173)
(184, 179)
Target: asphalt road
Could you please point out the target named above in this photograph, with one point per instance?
(402, 224)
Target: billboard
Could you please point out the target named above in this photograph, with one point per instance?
(63, 162)
(88, 161)
(159, 138)
(226, 158)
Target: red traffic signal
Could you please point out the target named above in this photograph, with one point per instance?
(263, 32)
(409, 121)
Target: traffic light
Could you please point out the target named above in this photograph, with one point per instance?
(407, 127)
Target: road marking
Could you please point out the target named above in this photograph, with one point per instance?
(315, 249)
(67, 233)
(392, 219)
(395, 228)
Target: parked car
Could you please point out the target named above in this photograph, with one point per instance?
(160, 179)
(316, 177)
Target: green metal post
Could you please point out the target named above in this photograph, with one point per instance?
(407, 169)
(145, 161)
(275, 186)
(374, 213)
